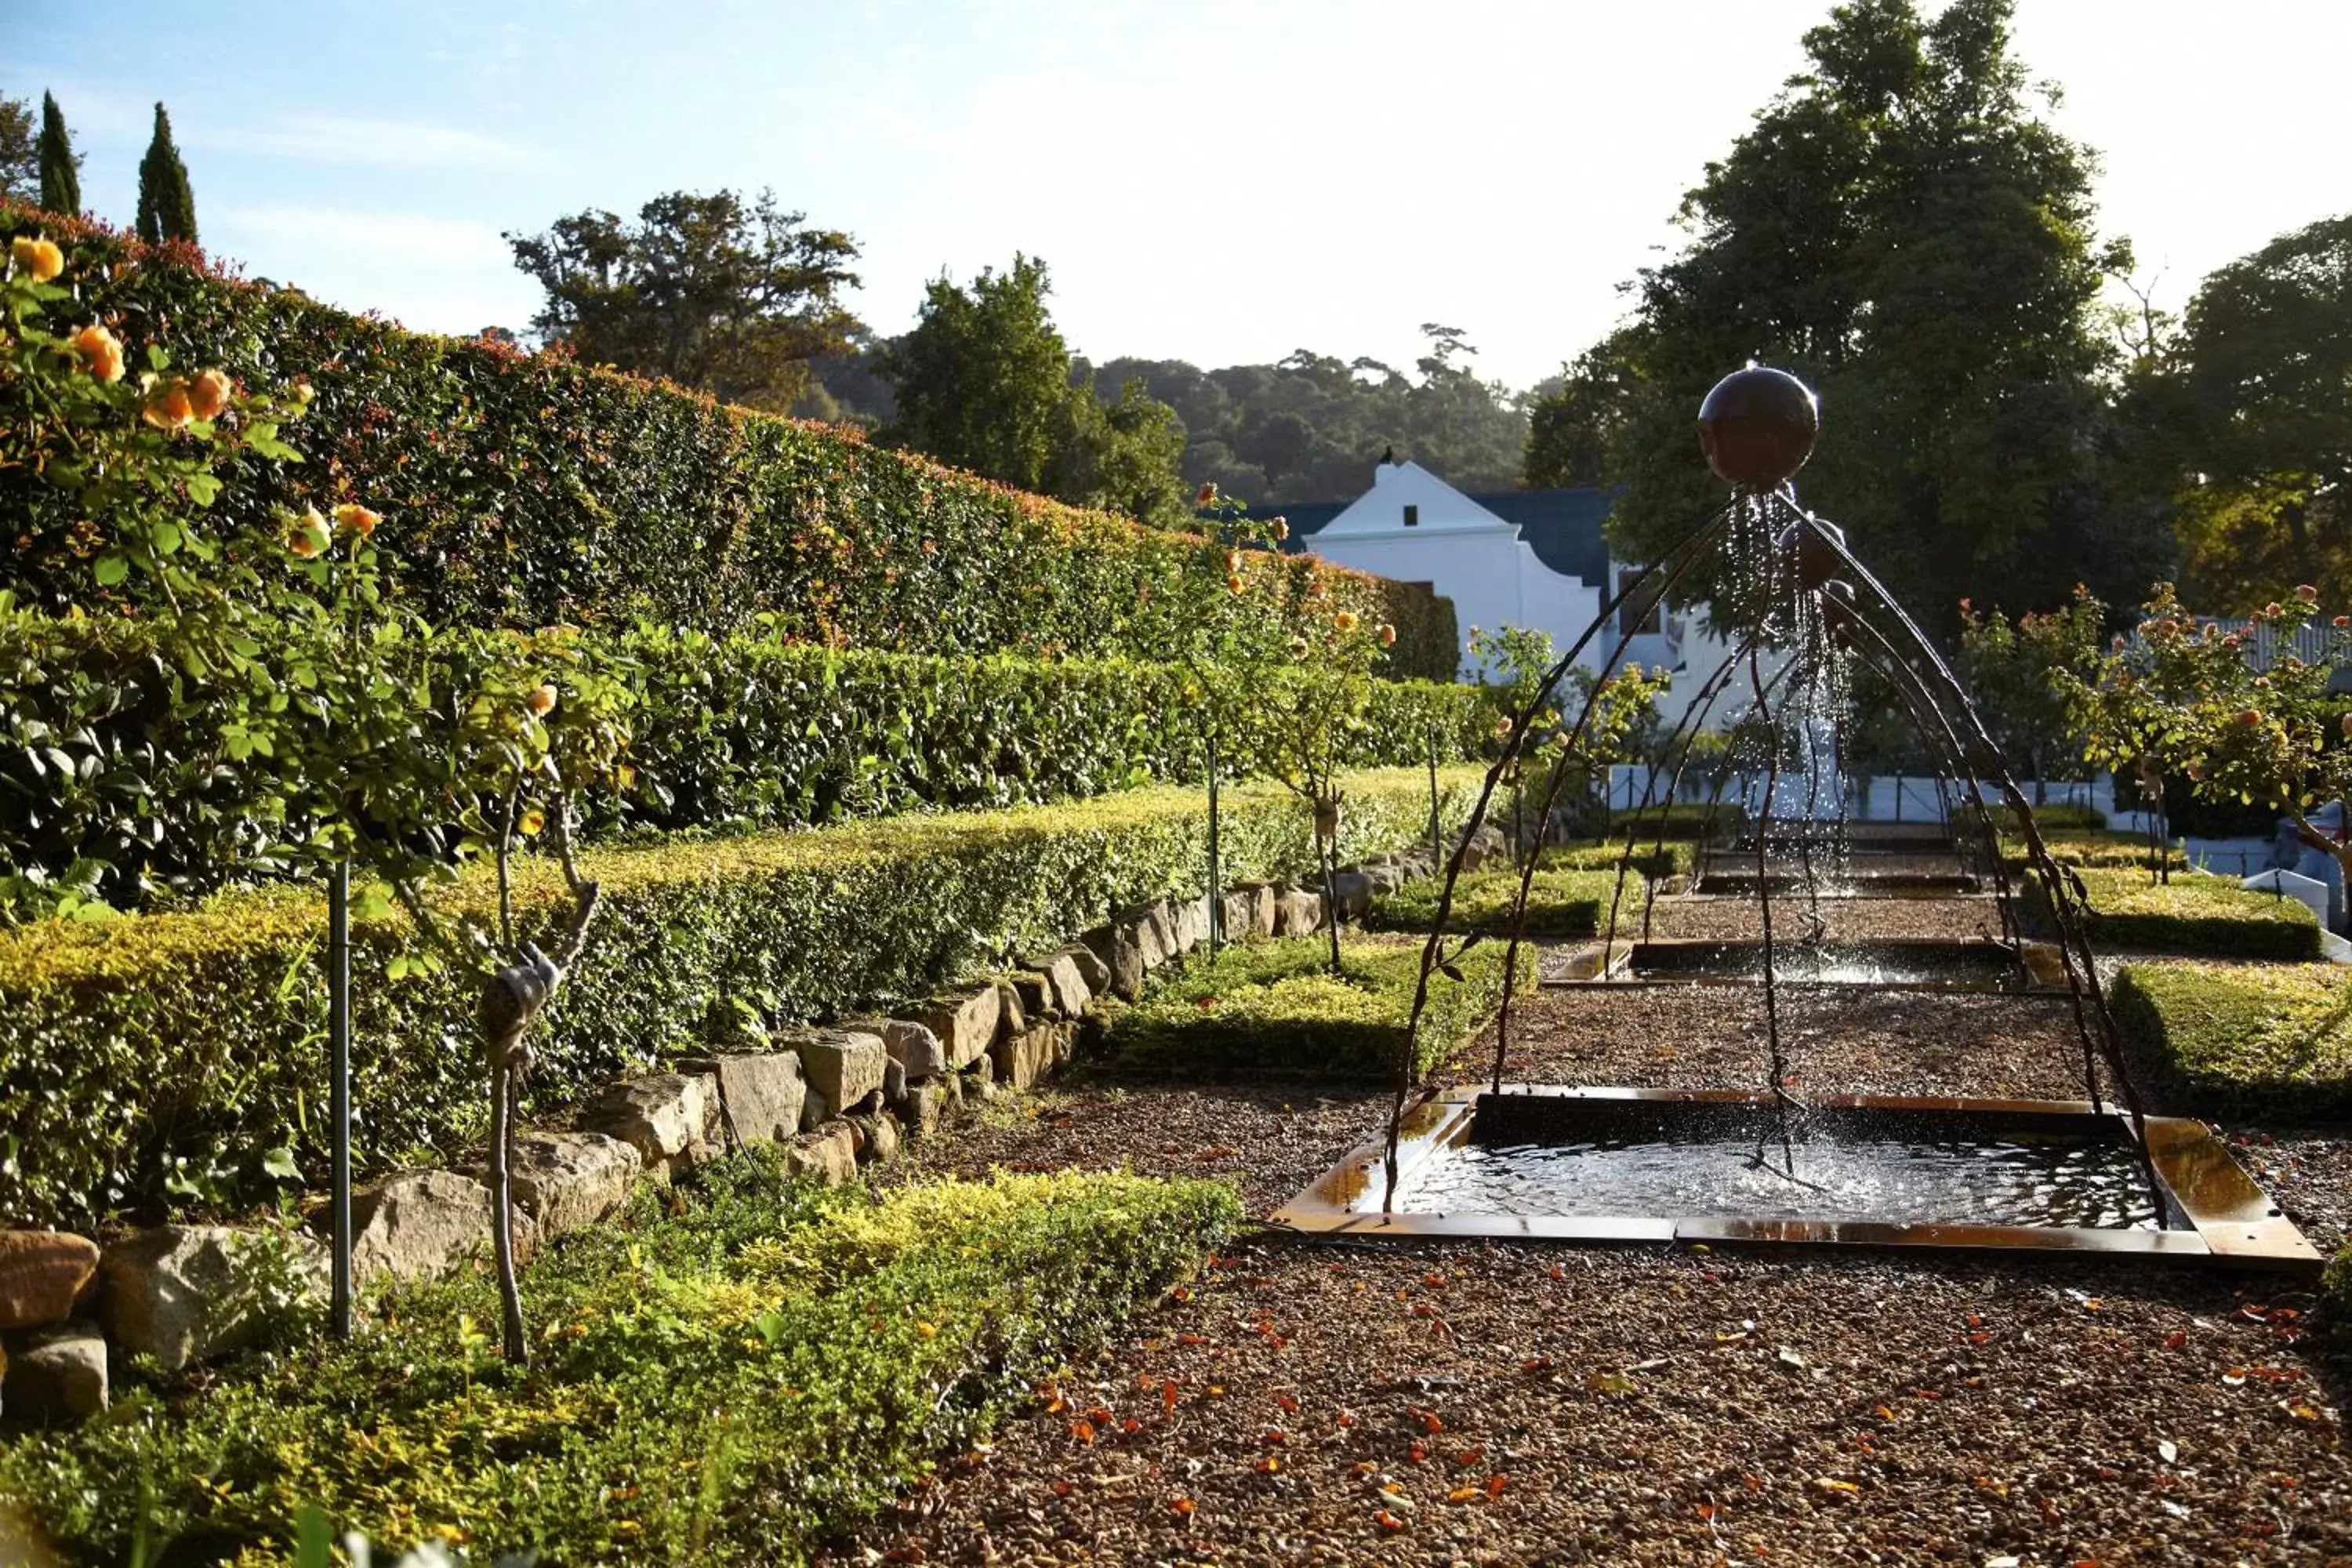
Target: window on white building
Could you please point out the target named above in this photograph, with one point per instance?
(1412, 517)
(1642, 613)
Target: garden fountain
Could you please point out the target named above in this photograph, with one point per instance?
(1760, 1163)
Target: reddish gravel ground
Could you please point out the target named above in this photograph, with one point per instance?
(1505, 1404)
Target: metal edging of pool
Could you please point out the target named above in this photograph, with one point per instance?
(1583, 967)
(2230, 1220)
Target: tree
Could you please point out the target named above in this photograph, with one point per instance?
(2237, 727)
(20, 163)
(60, 171)
(2022, 678)
(985, 381)
(1902, 230)
(1576, 425)
(2262, 376)
(167, 208)
(708, 291)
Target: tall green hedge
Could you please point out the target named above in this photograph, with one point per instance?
(108, 753)
(155, 1061)
(527, 491)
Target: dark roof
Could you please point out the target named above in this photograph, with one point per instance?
(1562, 527)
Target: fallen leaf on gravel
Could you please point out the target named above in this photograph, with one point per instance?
(1464, 1494)
(1084, 1431)
(2176, 1339)
(1536, 1363)
(1832, 1484)
(1789, 1358)
(1495, 1484)
(1616, 1382)
(1418, 1452)
(1183, 1505)
(1389, 1521)
(2166, 1450)
(2178, 1510)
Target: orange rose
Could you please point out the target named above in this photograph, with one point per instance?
(541, 701)
(1388, 637)
(307, 537)
(1206, 495)
(208, 394)
(168, 407)
(39, 259)
(1234, 583)
(1282, 527)
(1345, 620)
(100, 351)
(356, 518)
(2308, 594)
(1503, 728)
(2340, 622)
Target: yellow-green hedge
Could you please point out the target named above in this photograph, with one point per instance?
(156, 1061)
(2193, 913)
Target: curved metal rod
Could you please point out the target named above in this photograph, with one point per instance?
(1432, 953)
(1543, 826)
(2059, 894)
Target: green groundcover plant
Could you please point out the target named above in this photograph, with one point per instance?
(735, 1373)
(2192, 914)
(172, 1062)
(1276, 1008)
(1560, 904)
(2235, 1039)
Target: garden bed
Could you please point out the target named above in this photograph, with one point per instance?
(1560, 904)
(2232, 1039)
(744, 1368)
(2193, 914)
(1274, 1008)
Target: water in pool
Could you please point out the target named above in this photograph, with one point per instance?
(1983, 1179)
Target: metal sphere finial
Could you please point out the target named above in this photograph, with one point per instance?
(1758, 426)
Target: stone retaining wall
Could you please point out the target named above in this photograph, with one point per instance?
(837, 1097)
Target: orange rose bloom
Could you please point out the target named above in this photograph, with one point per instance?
(1234, 583)
(356, 518)
(1388, 637)
(1502, 727)
(39, 259)
(1206, 495)
(1345, 620)
(541, 700)
(102, 352)
(208, 394)
(168, 407)
(308, 537)
(2308, 594)
(1282, 527)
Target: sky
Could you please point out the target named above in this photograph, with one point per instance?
(1221, 181)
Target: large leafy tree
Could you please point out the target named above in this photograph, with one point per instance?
(1576, 423)
(167, 207)
(2261, 412)
(20, 163)
(1903, 230)
(985, 381)
(725, 296)
(60, 168)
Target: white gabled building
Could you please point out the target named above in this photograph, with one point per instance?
(1522, 558)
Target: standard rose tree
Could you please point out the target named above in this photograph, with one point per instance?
(2202, 701)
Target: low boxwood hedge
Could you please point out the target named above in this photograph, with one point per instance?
(1651, 857)
(2193, 913)
(2232, 1039)
(734, 1374)
(1274, 1008)
(1683, 820)
(110, 755)
(155, 1062)
(1562, 903)
(2082, 847)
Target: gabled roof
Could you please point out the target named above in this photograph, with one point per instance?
(1562, 527)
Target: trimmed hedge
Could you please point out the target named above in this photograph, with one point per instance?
(156, 1060)
(1276, 1008)
(1650, 858)
(2079, 848)
(2193, 914)
(106, 755)
(1560, 903)
(1683, 820)
(738, 1381)
(2232, 1039)
(527, 491)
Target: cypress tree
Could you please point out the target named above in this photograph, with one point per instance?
(167, 208)
(60, 170)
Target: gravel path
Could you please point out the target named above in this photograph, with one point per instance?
(1851, 920)
(1506, 1403)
